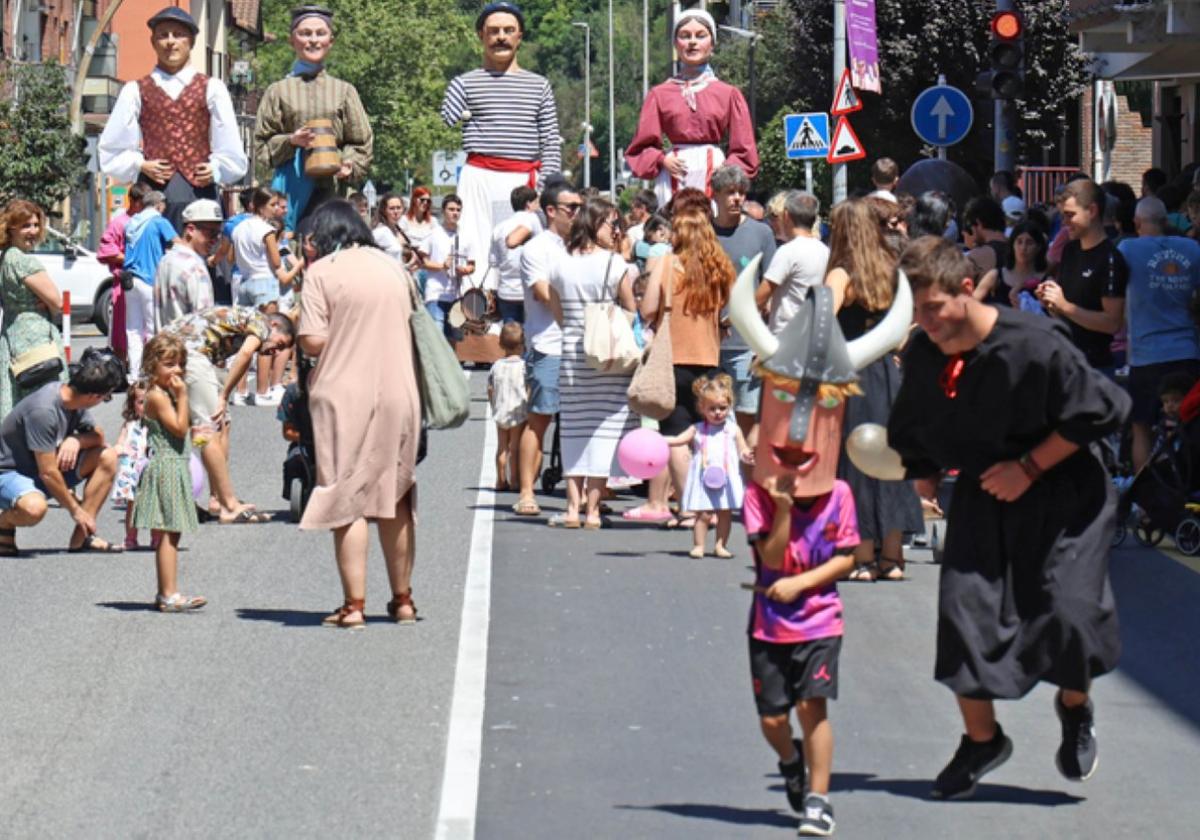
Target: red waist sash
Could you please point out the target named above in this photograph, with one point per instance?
(499, 164)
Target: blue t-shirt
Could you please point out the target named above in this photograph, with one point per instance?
(1164, 272)
(231, 223)
(145, 243)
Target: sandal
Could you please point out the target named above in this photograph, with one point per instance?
(179, 603)
(640, 514)
(593, 524)
(401, 602)
(526, 507)
(891, 570)
(864, 573)
(245, 516)
(682, 523)
(8, 543)
(341, 618)
(560, 520)
(92, 543)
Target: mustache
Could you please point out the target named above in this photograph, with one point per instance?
(501, 43)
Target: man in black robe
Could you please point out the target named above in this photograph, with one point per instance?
(1004, 397)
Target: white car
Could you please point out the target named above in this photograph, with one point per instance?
(75, 269)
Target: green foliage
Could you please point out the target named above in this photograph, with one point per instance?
(399, 54)
(43, 161)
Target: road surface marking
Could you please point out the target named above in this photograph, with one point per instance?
(460, 780)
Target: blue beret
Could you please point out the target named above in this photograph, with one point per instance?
(503, 6)
(175, 14)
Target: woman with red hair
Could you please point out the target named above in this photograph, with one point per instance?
(417, 224)
(701, 276)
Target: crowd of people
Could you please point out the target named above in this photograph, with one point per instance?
(988, 340)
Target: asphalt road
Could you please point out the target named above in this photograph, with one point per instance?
(617, 693)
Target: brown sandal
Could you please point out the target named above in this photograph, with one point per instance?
(400, 602)
(341, 618)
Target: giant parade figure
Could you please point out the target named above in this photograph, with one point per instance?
(311, 128)
(174, 129)
(694, 110)
(510, 126)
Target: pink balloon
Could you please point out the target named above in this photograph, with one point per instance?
(197, 469)
(643, 453)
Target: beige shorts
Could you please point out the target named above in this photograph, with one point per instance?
(204, 384)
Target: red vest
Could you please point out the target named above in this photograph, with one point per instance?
(176, 130)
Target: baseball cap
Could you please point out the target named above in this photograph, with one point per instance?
(176, 14)
(203, 210)
(1014, 208)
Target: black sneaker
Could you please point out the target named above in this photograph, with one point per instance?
(1077, 754)
(971, 761)
(794, 778)
(817, 818)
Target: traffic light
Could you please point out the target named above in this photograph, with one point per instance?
(1006, 54)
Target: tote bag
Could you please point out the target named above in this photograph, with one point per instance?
(651, 393)
(445, 397)
(608, 342)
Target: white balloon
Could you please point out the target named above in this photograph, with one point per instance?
(868, 449)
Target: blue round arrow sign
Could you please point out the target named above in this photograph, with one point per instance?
(942, 115)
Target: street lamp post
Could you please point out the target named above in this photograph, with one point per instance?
(587, 101)
(753, 37)
(612, 112)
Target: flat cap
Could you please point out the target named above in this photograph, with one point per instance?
(173, 14)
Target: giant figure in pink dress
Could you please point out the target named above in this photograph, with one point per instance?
(694, 110)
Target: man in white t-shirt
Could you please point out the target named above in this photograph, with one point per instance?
(449, 260)
(508, 240)
(543, 336)
(798, 264)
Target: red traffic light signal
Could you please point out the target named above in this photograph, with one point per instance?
(1007, 26)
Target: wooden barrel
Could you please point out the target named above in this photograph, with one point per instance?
(323, 159)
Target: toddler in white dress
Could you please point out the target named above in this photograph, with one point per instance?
(509, 398)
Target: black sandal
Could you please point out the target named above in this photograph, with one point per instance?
(864, 573)
(8, 543)
(890, 570)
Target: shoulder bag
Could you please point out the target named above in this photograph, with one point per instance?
(608, 342)
(651, 393)
(445, 396)
(37, 365)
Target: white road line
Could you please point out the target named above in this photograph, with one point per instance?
(460, 781)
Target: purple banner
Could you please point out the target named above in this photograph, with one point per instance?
(864, 48)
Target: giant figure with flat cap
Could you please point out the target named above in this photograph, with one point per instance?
(311, 128)
(695, 111)
(510, 126)
(174, 129)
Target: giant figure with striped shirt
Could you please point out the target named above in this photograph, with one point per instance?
(510, 125)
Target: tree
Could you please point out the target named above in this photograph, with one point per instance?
(43, 161)
(399, 55)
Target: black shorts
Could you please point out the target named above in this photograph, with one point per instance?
(686, 413)
(785, 674)
(1144, 382)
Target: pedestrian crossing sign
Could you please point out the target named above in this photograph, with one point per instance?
(845, 101)
(806, 136)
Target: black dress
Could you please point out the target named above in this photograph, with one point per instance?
(1024, 593)
(882, 506)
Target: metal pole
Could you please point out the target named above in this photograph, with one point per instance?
(612, 112)
(753, 83)
(645, 48)
(1005, 120)
(941, 149)
(1097, 149)
(808, 179)
(839, 67)
(587, 102)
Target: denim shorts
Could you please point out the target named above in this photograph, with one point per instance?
(541, 375)
(746, 387)
(258, 291)
(14, 485)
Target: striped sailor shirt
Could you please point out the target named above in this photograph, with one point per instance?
(512, 115)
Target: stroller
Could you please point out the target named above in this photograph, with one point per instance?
(1164, 494)
(300, 465)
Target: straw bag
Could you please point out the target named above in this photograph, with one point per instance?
(608, 342)
(445, 397)
(652, 391)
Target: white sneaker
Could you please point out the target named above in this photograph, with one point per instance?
(278, 390)
(238, 398)
(268, 399)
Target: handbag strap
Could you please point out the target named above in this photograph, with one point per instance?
(607, 270)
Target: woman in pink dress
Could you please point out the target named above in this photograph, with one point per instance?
(694, 110)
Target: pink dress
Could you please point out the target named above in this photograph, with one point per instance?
(363, 397)
(720, 112)
(112, 245)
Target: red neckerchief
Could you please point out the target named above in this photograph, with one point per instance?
(950, 374)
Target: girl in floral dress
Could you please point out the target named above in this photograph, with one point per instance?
(133, 446)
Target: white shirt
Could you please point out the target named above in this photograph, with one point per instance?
(418, 232)
(506, 262)
(442, 244)
(389, 242)
(797, 265)
(249, 248)
(120, 147)
(636, 233)
(538, 257)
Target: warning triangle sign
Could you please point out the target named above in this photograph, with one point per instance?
(845, 146)
(845, 101)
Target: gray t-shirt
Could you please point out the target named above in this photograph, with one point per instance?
(798, 266)
(742, 244)
(38, 423)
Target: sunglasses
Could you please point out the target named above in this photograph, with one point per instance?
(572, 207)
